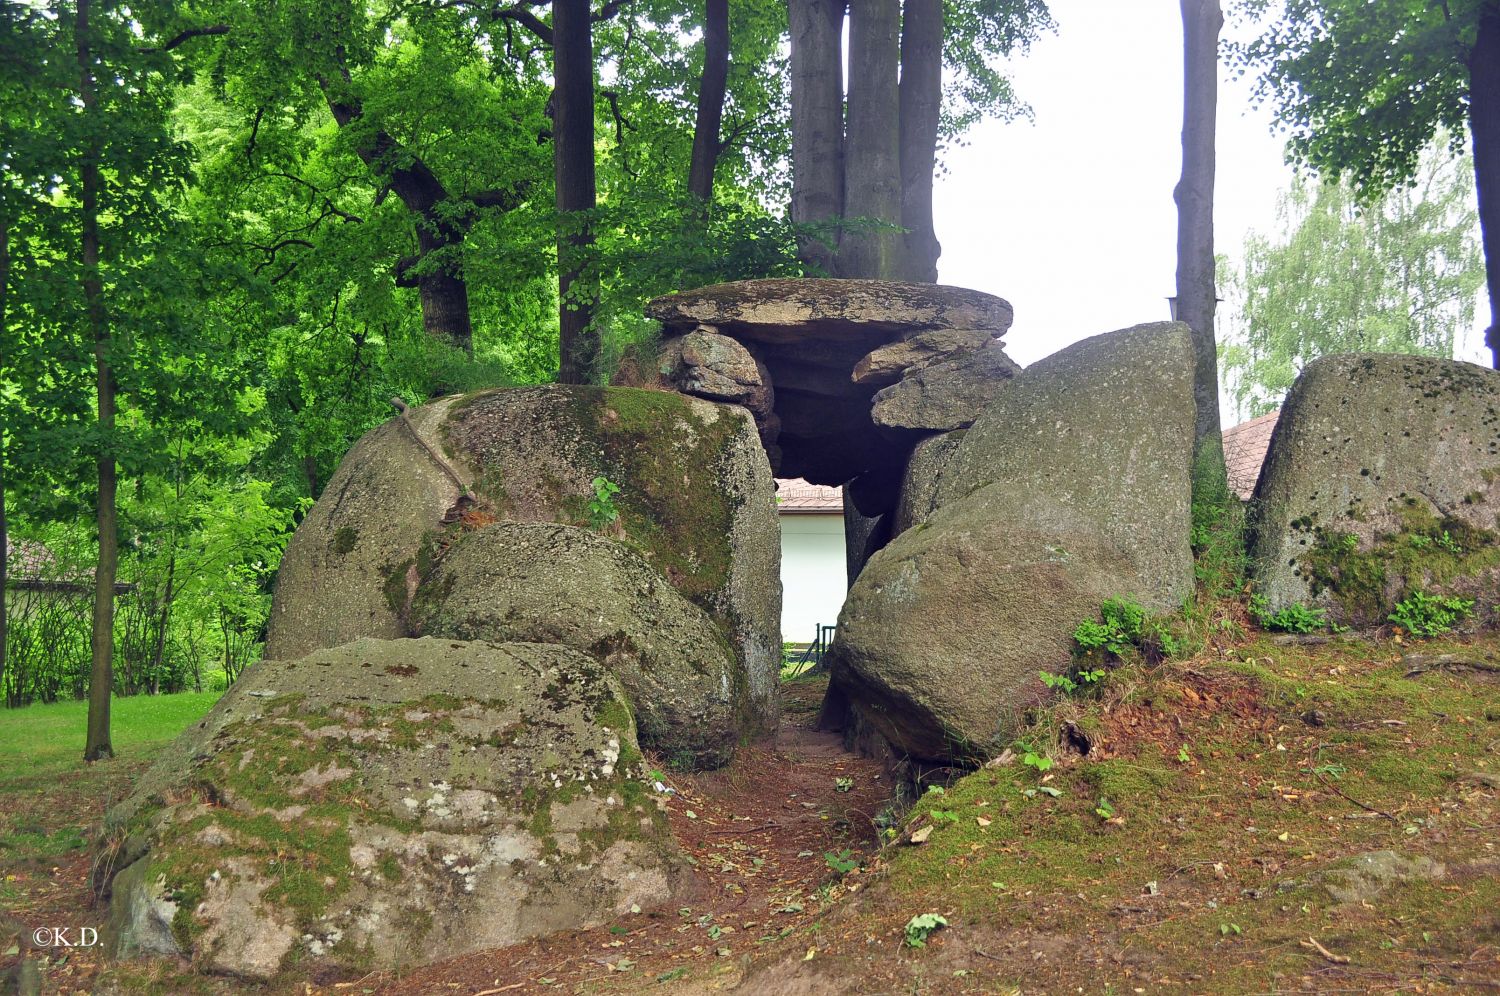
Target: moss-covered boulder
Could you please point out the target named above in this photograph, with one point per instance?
(388, 803)
(387, 493)
(1382, 480)
(695, 503)
(547, 583)
(1071, 488)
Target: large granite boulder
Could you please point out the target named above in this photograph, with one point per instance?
(1071, 488)
(822, 350)
(388, 803)
(695, 505)
(548, 583)
(387, 493)
(1381, 480)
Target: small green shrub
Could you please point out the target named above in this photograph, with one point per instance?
(921, 927)
(1294, 618)
(602, 510)
(1119, 630)
(1421, 614)
(1124, 626)
(843, 862)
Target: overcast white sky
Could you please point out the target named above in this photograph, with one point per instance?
(1071, 218)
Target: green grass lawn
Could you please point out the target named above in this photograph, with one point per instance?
(42, 740)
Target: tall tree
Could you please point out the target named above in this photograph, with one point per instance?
(712, 87)
(874, 166)
(1364, 88)
(920, 112)
(1398, 276)
(817, 90)
(98, 745)
(1196, 292)
(872, 141)
(573, 164)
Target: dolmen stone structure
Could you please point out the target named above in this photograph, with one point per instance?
(503, 598)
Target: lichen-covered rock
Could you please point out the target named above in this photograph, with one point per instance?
(886, 364)
(386, 494)
(547, 583)
(695, 502)
(1382, 479)
(392, 802)
(946, 395)
(824, 348)
(790, 304)
(1071, 488)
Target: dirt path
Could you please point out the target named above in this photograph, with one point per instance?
(760, 834)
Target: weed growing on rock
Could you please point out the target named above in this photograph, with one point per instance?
(602, 510)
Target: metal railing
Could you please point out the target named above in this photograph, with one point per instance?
(811, 659)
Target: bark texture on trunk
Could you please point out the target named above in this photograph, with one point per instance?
(1196, 293)
(573, 171)
(817, 84)
(101, 677)
(920, 104)
(4, 526)
(872, 154)
(444, 293)
(1484, 129)
(711, 88)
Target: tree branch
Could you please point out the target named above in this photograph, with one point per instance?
(189, 34)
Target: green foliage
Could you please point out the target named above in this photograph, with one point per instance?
(1363, 87)
(1218, 524)
(843, 862)
(1119, 630)
(1422, 614)
(1398, 275)
(601, 507)
(1294, 618)
(920, 927)
(1083, 679)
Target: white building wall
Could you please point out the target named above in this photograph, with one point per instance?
(813, 576)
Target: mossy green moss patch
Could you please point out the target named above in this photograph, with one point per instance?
(1366, 579)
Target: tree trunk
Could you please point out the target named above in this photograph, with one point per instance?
(310, 471)
(443, 290)
(573, 170)
(919, 107)
(4, 526)
(101, 677)
(1196, 294)
(817, 83)
(872, 159)
(710, 99)
(1484, 128)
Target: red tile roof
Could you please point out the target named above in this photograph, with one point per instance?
(797, 496)
(1245, 448)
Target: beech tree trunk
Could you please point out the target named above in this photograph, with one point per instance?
(101, 677)
(4, 526)
(1196, 293)
(920, 104)
(711, 89)
(817, 83)
(444, 293)
(872, 155)
(1484, 128)
(573, 170)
